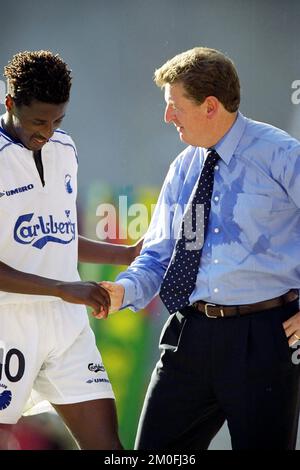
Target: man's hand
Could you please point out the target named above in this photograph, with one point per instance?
(292, 328)
(87, 293)
(116, 293)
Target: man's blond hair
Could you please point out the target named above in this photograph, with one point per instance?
(203, 72)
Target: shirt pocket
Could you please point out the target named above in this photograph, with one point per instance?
(253, 214)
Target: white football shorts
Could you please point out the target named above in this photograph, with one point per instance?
(47, 352)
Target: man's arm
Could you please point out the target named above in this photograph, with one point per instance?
(136, 287)
(85, 293)
(91, 251)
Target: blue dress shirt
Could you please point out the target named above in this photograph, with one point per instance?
(252, 247)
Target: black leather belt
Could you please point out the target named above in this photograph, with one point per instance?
(218, 311)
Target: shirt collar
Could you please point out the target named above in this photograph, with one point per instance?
(3, 131)
(229, 142)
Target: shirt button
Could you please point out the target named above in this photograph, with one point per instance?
(216, 290)
(216, 198)
(216, 167)
(216, 261)
(216, 230)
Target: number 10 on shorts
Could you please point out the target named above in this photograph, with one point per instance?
(12, 363)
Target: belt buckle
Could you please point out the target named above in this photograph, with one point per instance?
(205, 310)
(212, 305)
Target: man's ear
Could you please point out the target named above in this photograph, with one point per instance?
(9, 102)
(212, 106)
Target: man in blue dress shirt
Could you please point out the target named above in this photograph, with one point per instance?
(225, 353)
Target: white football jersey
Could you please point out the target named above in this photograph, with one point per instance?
(38, 232)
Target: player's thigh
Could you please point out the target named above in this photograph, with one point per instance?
(93, 423)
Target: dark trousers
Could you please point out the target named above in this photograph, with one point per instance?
(238, 369)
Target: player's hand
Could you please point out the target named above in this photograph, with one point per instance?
(292, 328)
(132, 251)
(116, 293)
(87, 293)
(136, 248)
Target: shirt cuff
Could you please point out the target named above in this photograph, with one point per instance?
(129, 294)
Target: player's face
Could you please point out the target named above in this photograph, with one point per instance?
(189, 118)
(35, 124)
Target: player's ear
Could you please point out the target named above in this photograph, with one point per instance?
(9, 102)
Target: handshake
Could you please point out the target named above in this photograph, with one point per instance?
(116, 295)
(102, 297)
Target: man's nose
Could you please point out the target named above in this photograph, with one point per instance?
(48, 131)
(169, 114)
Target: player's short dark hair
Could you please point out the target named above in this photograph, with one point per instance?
(38, 75)
(203, 72)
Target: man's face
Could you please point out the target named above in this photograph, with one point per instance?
(35, 124)
(189, 118)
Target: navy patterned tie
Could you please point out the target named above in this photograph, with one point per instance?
(180, 278)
